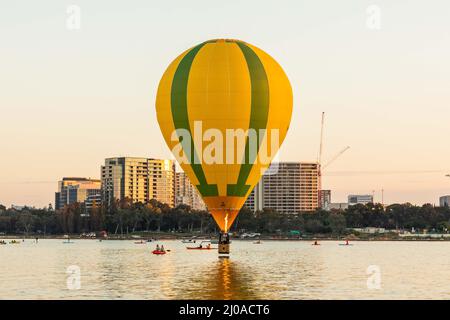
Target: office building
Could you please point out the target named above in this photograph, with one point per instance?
(186, 193)
(93, 199)
(71, 190)
(337, 206)
(138, 179)
(325, 199)
(444, 201)
(359, 199)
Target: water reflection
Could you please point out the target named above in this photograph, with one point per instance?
(274, 270)
(223, 279)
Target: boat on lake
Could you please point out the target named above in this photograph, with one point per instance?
(203, 246)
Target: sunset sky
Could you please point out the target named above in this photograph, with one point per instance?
(70, 98)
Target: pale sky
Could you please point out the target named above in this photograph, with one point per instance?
(70, 98)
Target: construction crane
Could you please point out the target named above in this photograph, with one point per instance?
(320, 167)
(335, 157)
(319, 162)
(319, 156)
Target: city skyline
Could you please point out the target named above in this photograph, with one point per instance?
(286, 187)
(139, 180)
(70, 101)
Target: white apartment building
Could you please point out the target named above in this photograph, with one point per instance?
(287, 187)
(139, 179)
(186, 193)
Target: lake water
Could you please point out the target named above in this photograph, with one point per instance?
(270, 270)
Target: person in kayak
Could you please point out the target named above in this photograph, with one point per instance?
(157, 248)
(162, 248)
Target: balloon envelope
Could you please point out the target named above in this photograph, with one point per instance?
(208, 96)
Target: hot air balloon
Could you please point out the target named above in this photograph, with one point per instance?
(224, 108)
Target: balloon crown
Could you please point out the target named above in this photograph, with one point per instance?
(224, 40)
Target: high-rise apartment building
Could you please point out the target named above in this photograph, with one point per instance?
(186, 193)
(309, 186)
(255, 200)
(139, 179)
(287, 187)
(83, 190)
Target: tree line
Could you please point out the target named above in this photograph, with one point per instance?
(125, 217)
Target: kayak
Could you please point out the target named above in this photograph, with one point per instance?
(140, 242)
(198, 248)
(158, 252)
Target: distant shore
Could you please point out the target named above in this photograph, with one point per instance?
(158, 237)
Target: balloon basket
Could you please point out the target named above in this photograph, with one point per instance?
(224, 243)
(224, 248)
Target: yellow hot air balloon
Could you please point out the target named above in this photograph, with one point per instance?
(208, 96)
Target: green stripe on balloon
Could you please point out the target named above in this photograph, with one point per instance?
(180, 117)
(258, 116)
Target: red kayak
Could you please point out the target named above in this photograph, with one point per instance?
(158, 252)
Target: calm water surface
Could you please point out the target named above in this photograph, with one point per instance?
(270, 270)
